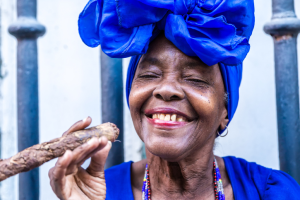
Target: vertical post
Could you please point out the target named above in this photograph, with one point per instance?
(284, 28)
(0, 84)
(112, 103)
(27, 29)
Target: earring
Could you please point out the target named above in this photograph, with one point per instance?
(221, 134)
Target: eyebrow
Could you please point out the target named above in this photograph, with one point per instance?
(157, 62)
(194, 64)
(152, 61)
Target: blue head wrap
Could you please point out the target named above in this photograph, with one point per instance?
(217, 31)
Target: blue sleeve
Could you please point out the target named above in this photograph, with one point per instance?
(118, 182)
(250, 181)
(281, 186)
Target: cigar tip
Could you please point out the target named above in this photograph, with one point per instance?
(112, 128)
(116, 130)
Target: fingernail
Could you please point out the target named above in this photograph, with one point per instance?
(84, 120)
(90, 141)
(109, 142)
(66, 153)
(100, 139)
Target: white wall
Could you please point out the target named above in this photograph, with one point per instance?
(9, 190)
(68, 77)
(69, 89)
(253, 131)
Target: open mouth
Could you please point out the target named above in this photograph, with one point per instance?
(168, 117)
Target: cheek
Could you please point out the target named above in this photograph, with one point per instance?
(206, 104)
(139, 96)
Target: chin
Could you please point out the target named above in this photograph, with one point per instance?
(167, 148)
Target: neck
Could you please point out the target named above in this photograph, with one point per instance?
(188, 178)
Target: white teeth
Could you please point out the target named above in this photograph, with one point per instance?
(162, 116)
(173, 117)
(167, 117)
(179, 119)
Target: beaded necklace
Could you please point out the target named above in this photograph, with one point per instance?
(218, 185)
(146, 185)
(219, 192)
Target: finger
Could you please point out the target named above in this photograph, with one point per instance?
(101, 145)
(82, 153)
(57, 173)
(50, 172)
(80, 125)
(98, 160)
(50, 177)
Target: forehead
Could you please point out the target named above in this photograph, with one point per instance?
(164, 54)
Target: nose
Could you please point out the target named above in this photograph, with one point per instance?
(168, 91)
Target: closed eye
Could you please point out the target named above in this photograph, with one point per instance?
(148, 76)
(196, 80)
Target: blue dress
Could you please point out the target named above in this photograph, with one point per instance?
(249, 182)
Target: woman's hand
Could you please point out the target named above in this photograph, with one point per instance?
(69, 180)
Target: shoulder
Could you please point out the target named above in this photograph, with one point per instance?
(118, 182)
(282, 186)
(250, 180)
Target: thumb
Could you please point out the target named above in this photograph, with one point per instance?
(80, 125)
(98, 160)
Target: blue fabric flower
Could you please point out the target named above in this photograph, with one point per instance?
(217, 31)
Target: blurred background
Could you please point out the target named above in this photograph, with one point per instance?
(70, 90)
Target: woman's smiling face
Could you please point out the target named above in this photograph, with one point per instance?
(176, 101)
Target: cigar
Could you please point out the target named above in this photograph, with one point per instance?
(37, 155)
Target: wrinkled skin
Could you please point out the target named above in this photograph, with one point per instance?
(69, 180)
(166, 77)
(180, 158)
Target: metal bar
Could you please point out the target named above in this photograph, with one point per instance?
(27, 29)
(284, 28)
(0, 71)
(1, 156)
(112, 103)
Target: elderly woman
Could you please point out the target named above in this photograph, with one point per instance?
(182, 90)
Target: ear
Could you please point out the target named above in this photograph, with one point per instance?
(224, 119)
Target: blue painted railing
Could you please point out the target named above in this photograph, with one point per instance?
(284, 28)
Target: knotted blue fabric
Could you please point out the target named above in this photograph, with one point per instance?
(217, 31)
